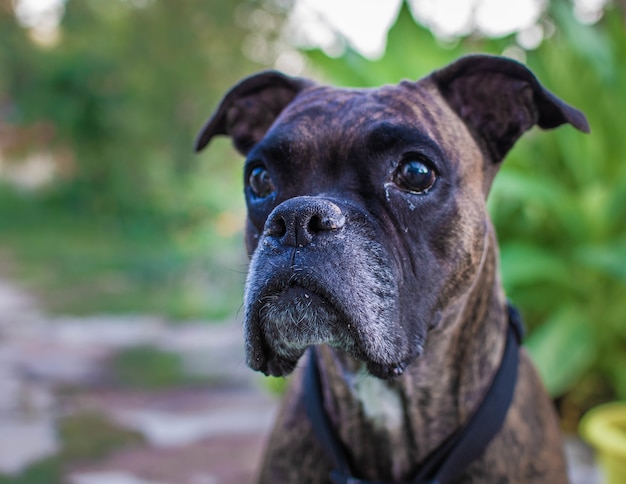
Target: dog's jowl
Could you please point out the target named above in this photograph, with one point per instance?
(372, 251)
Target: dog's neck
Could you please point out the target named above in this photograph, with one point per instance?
(448, 382)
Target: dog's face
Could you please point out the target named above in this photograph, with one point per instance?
(366, 208)
(355, 200)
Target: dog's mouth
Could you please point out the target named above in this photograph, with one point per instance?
(286, 319)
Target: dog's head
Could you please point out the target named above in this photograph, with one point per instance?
(366, 207)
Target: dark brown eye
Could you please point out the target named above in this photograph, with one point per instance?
(415, 175)
(260, 182)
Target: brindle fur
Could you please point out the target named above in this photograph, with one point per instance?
(393, 282)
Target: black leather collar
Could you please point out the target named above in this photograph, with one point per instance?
(451, 458)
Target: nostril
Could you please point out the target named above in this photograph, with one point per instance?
(315, 224)
(319, 223)
(276, 227)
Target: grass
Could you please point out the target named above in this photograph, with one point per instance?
(45, 471)
(149, 368)
(90, 436)
(84, 263)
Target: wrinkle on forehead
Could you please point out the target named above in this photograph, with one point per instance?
(325, 121)
(345, 110)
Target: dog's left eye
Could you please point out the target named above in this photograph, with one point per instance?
(260, 182)
(415, 175)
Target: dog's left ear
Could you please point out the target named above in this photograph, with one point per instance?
(250, 107)
(500, 99)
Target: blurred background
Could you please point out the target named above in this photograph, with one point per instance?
(121, 253)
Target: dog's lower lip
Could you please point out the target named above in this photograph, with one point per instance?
(388, 371)
(277, 366)
(271, 364)
(258, 364)
(314, 294)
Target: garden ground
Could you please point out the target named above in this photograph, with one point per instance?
(70, 412)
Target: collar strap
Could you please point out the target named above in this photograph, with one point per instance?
(448, 461)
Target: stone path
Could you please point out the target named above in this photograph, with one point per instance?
(206, 434)
(197, 435)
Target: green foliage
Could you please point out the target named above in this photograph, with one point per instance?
(136, 221)
(126, 89)
(559, 202)
(84, 265)
(574, 219)
(276, 385)
(559, 346)
(90, 435)
(44, 471)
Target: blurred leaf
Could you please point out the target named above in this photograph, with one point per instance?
(45, 471)
(515, 184)
(525, 263)
(611, 259)
(148, 367)
(563, 349)
(276, 385)
(618, 374)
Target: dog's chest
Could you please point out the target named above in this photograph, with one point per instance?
(381, 402)
(382, 407)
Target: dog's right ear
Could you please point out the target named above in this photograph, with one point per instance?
(250, 107)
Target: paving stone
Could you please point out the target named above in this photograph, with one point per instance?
(170, 429)
(14, 300)
(581, 464)
(106, 331)
(211, 350)
(25, 441)
(233, 459)
(110, 477)
(181, 417)
(21, 398)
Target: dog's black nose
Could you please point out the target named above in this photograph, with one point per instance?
(297, 221)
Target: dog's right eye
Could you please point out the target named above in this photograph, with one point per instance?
(260, 182)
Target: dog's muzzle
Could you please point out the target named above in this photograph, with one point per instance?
(318, 276)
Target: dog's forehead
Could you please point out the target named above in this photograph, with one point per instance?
(352, 108)
(345, 116)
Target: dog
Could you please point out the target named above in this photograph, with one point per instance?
(371, 248)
